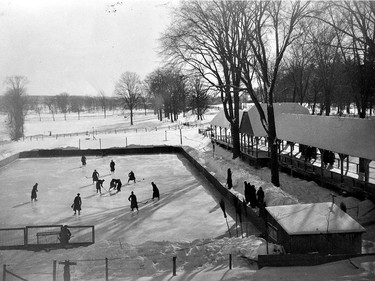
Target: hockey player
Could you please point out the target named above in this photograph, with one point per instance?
(131, 177)
(133, 201)
(99, 185)
(95, 176)
(155, 191)
(33, 192)
(77, 204)
(83, 160)
(112, 166)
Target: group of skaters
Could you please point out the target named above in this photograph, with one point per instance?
(116, 184)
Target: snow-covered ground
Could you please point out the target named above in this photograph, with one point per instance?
(197, 259)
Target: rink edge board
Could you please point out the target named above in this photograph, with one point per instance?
(303, 259)
(186, 152)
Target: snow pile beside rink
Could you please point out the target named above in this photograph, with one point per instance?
(274, 196)
(152, 257)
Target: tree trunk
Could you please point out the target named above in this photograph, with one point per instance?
(272, 144)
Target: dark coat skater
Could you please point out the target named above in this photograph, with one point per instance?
(155, 191)
(34, 191)
(77, 204)
(131, 177)
(112, 166)
(95, 176)
(133, 201)
(229, 179)
(99, 185)
(83, 160)
(64, 235)
(116, 184)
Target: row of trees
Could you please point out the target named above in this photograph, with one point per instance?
(276, 49)
(166, 90)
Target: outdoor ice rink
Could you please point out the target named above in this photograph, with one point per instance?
(186, 211)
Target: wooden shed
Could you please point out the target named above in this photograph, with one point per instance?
(314, 228)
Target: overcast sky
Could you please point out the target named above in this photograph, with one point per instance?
(79, 46)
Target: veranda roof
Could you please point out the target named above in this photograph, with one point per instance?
(350, 136)
(221, 121)
(279, 108)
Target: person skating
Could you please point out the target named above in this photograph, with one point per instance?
(99, 185)
(33, 192)
(95, 176)
(131, 177)
(64, 235)
(133, 202)
(112, 184)
(77, 204)
(119, 185)
(83, 160)
(155, 191)
(112, 166)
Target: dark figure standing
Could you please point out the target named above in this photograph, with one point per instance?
(33, 192)
(260, 195)
(155, 191)
(77, 204)
(133, 201)
(229, 179)
(247, 192)
(83, 160)
(131, 177)
(64, 235)
(112, 166)
(95, 176)
(99, 185)
(252, 195)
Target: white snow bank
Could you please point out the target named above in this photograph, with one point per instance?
(250, 247)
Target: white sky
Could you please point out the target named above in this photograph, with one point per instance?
(79, 47)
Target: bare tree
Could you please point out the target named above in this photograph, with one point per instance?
(103, 102)
(15, 104)
(76, 105)
(50, 102)
(354, 23)
(199, 97)
(204, 38)
(127, 89)
(62, 102)
(270, 28)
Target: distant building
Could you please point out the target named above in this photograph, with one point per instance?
(311, 228)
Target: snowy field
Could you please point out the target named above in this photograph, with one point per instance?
(130, 257)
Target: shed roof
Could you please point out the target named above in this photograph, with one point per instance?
(315, 218)
(221, 121)
(279, 108)
(351, 136)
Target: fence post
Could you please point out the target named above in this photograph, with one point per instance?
(100, 144)
(79, 144)
(54, 271)
(4, 272)
(165, 135)
(230, 261)
(106, 269)
(174, 266)
(126, 141)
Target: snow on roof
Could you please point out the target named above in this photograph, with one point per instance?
(314, 218)
(221, 121)
(279, 108)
